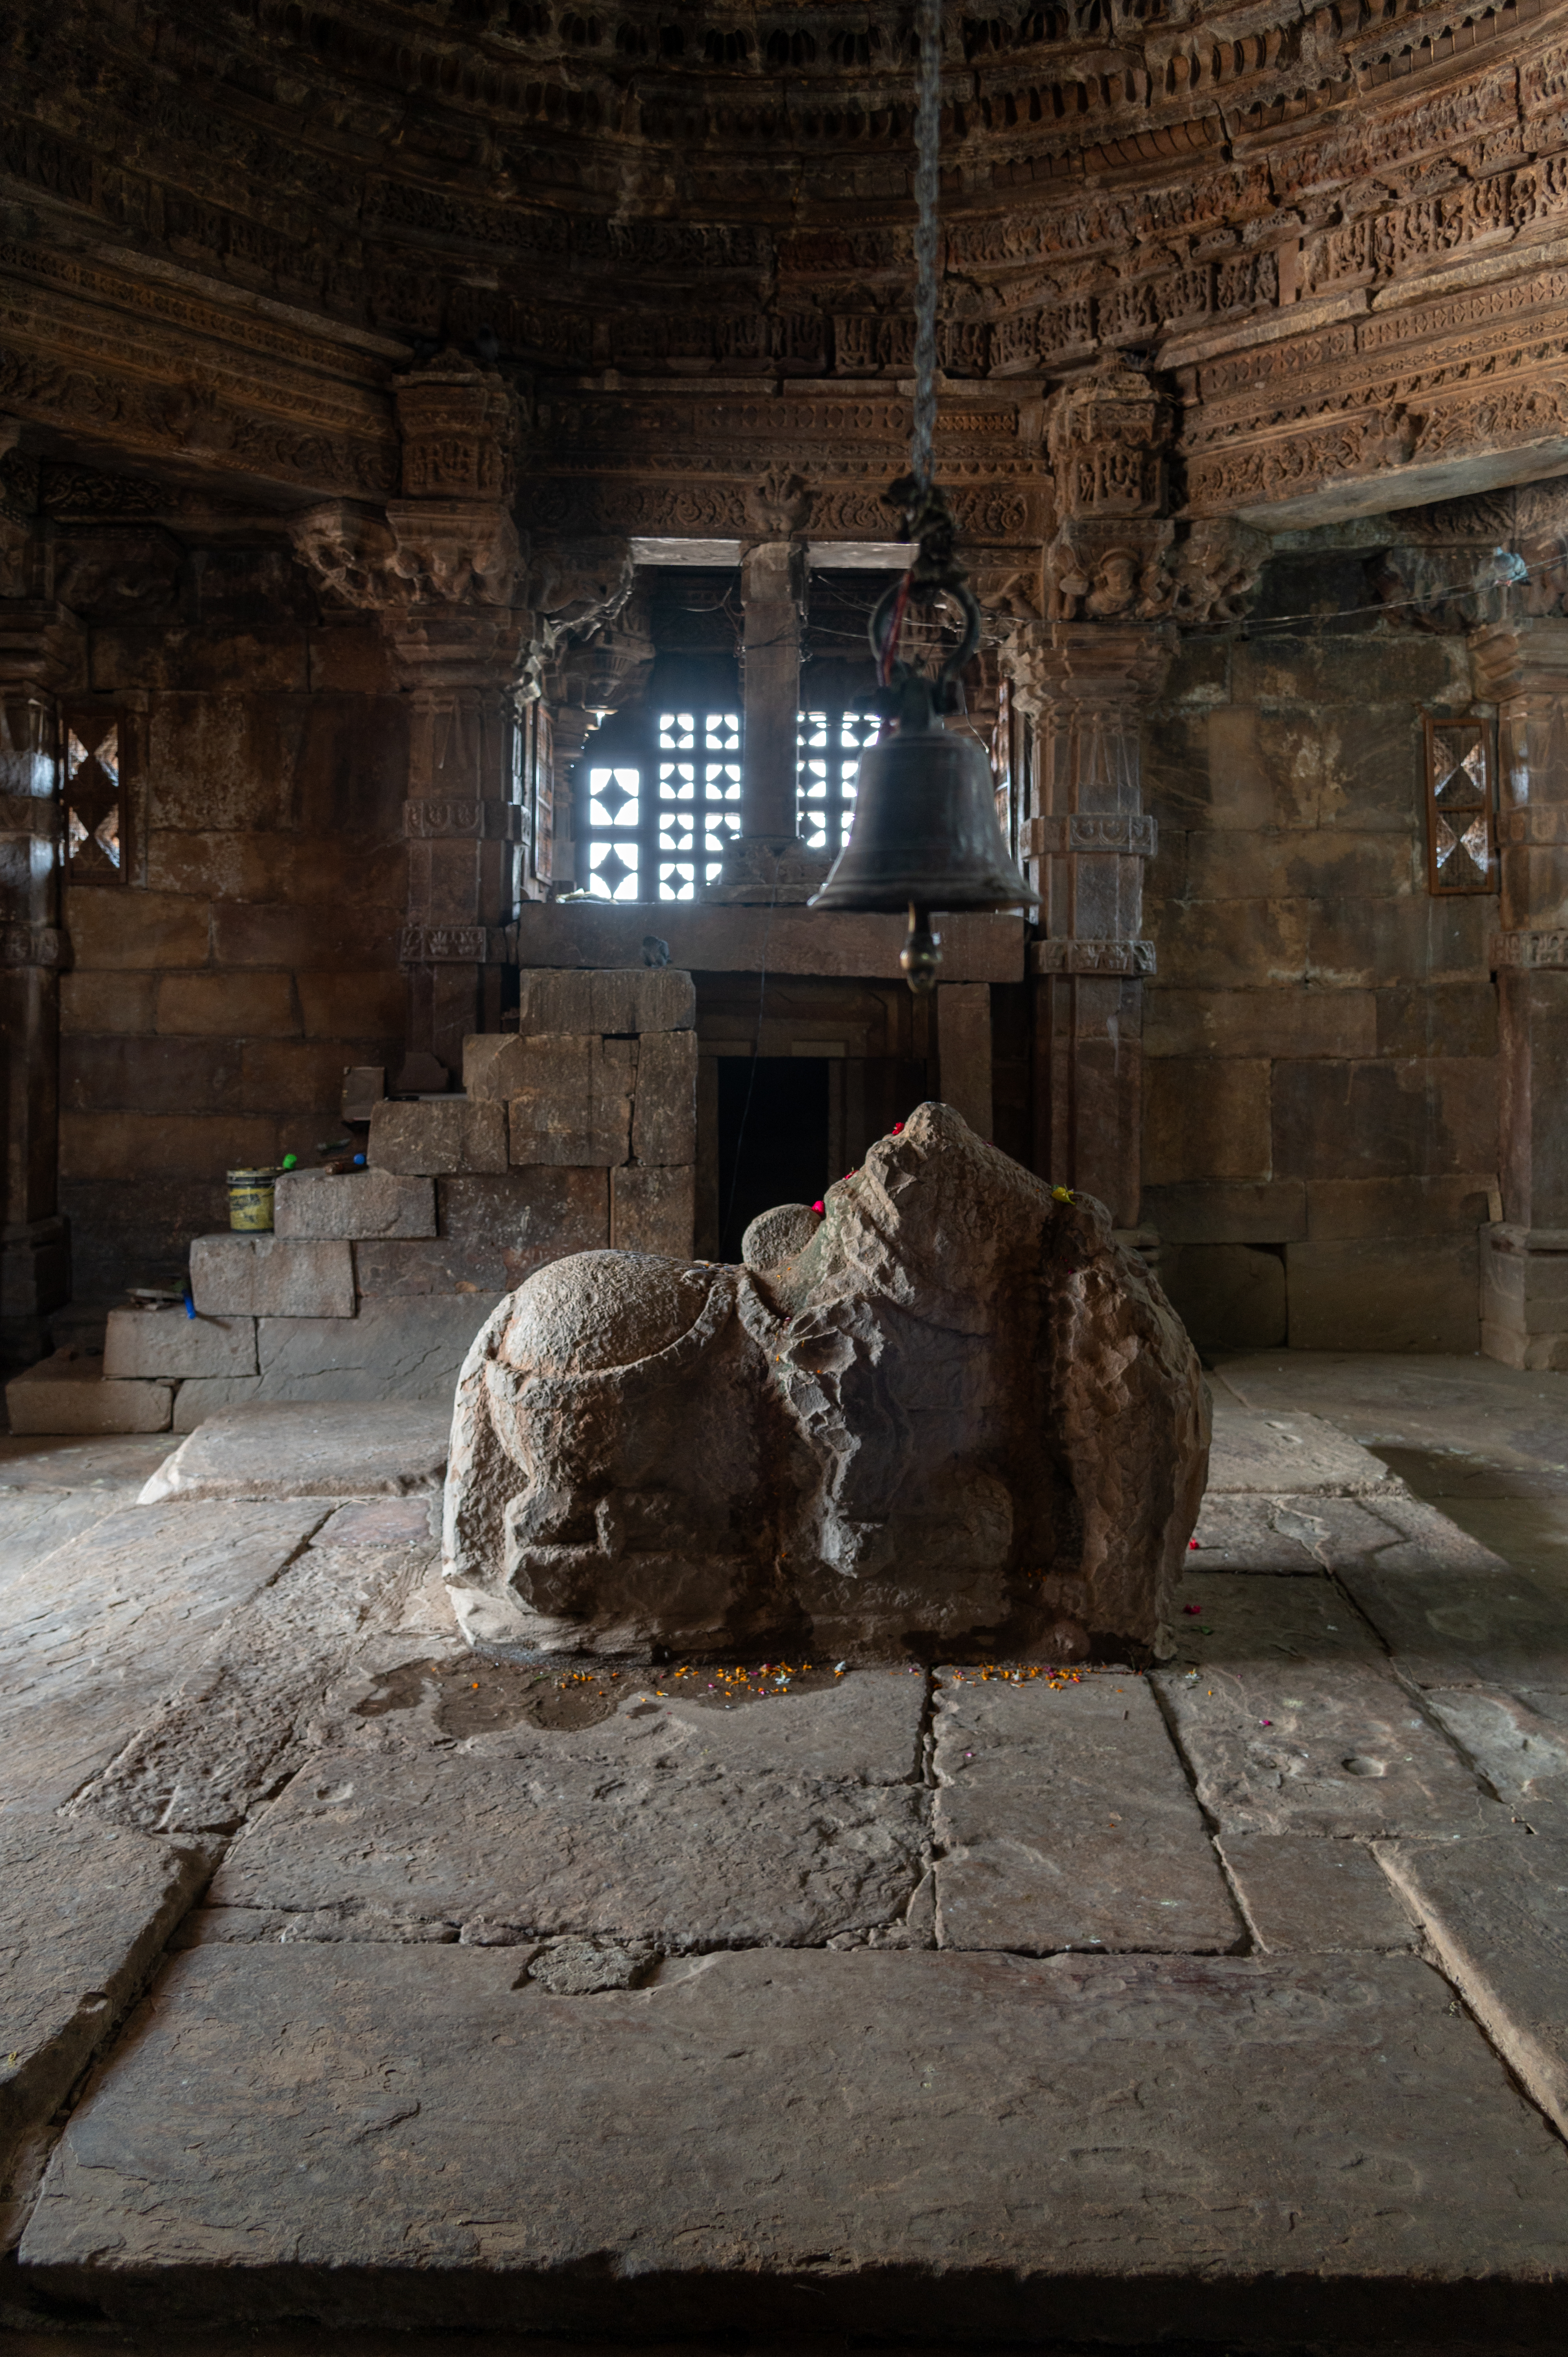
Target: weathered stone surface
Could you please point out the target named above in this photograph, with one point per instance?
(268, 1276)
(664, 1115)
(165, 1342)
(437, 1137)
(146, 1588)
(624, 999)
(1313, 1898)
(85, 1911)
(1065, 1820)
(1243, 1532)
(1519, 1743)
(1461, 1628)
(630, 2160)
(569, 1099)
(653, 1211)
(201, 1396)
(686, 1850)
(1229, 1297)
(1288, 1455)
(1419, 1293)
(1292, 1723)
(1496, 1915)
(313, 1204)
(34, 1522)
(525, 1220)
(966, 1417)
(58, 1461)
(321, 1450)
(220, 1738)
(401, 1348)
(389, 1522)
(68, 1394)
(777, 1237)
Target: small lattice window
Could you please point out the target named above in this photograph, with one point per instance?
(1461, 834)
(699, 797)
(830, 743)
(95, 844)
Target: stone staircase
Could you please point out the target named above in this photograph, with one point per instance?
(574, 1131)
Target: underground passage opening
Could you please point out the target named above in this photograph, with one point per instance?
(773, 1138)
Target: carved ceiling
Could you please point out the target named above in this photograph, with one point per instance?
(1339, 236)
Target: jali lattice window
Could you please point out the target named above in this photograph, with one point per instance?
(699, 797)
(830, 743)
(95, 844)
(663, 845)
(1461, 837)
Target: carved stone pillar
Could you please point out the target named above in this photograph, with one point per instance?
(1119, 574)
(443, 569)
(768, 861)
(41, 656)
(1084, 840)
(1522, 667)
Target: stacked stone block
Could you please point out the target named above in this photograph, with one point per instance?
(577, 1131)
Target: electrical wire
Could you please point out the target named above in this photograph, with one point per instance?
(928, 177)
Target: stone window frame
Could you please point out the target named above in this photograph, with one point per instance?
(1438, 766)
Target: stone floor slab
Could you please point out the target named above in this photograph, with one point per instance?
(85, 1911)
(1064, 1819)
(1292, 1723)
(691, 1831)
(1496, 1913)
(1314, 1897)
(474, 1849)
(111, 1622)
(1520, 1743)
(1496, 1628)
(1289, 1533)
(44, 1461)
(958, 2145)
(1293, 1454)
(228, 1731)
(316, 1449)
(34, 1522)
(386, 1521)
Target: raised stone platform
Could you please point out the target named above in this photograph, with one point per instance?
(951, 2005)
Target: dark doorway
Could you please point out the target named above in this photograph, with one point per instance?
(773, 1148)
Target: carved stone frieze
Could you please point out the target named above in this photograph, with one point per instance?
(1136, 836)
(1128, 957)
(430, 818)
(1534, 951)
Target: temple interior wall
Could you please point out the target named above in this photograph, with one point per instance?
(213, 999)
(1321, 1078)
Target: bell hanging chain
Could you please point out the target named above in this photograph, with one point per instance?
(925, 834)
(928, 150)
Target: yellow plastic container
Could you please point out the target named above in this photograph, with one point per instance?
(250, 1200)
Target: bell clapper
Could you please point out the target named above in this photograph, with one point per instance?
(921, 953)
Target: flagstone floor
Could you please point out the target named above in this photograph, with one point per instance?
(364, 1995)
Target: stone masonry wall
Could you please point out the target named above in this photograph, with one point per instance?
(214, 1001)
(1320, 1138)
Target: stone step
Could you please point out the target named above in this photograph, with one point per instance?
(981, 2146)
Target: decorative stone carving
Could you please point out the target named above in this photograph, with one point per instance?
(780, 505)
(955, 1416)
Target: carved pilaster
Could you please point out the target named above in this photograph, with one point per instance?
(442, 566)
(1522, 667)
(41, 657)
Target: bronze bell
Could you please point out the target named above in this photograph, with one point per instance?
(925, 831)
